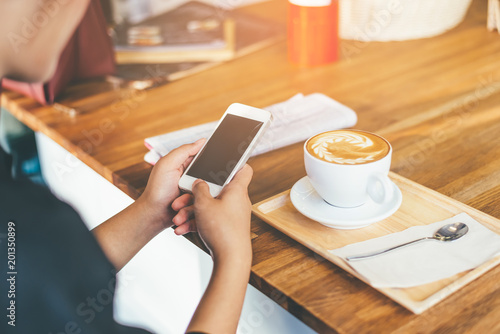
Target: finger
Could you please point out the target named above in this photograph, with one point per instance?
(178, 156)
(201, 191)
(187, 227)
(183, 215)
(182, 201)
(242, 178)
(186, 163)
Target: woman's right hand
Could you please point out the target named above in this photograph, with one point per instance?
(223, 222)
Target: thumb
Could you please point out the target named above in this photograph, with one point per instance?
(200, 190)
(242, 177)
(178, 156)
(239, 183)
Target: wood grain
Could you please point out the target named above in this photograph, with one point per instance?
(436, 100)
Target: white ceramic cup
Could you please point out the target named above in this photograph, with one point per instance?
(348, 186)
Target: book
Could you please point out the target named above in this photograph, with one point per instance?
(186, 33)
(251, 33)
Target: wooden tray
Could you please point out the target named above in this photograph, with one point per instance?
(421, 206)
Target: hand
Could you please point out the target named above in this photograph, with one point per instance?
(223, 223)
(124, 234)
(163, 187)
(224, 226)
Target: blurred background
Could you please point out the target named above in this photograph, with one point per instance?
(137, 10)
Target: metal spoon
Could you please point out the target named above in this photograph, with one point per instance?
(446, 233)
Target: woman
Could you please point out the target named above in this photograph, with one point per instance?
(65, 275)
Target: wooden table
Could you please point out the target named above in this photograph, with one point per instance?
(436, 100)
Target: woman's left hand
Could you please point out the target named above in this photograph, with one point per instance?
(163, 184)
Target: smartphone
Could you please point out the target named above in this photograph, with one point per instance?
(227, 150)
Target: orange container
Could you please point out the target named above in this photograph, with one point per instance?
(313, 32)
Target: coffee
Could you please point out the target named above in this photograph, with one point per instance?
(348, 167)
(348, 147)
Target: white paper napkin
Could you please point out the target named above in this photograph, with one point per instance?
(423, 262)
(294, 120)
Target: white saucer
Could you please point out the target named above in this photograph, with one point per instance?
(307, 201)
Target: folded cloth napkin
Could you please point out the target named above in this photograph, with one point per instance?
(294, 120)
(423, 262)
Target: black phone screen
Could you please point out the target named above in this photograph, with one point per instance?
(224, 149)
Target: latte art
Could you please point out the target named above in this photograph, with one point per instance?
(347, 147)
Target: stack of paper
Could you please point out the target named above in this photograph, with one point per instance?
(293, 121)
